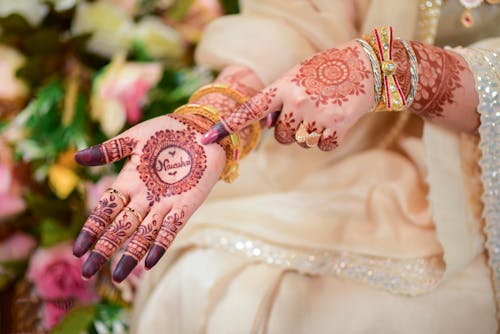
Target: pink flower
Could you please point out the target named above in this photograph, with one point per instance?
(120, 92)
(53, 313)
(57, 279)
(96, 190)
(16, 247)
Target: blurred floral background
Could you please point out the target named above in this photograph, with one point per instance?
(72, 74)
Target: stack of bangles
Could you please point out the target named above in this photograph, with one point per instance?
(388, 93)
(232, 144)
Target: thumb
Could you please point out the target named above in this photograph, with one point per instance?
(251, 111)
(110, 151)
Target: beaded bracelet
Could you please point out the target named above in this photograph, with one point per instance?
(231, 144)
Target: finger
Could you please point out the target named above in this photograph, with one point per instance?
(253, 110)
(118, 231)
(271, 119)
(286, 127)
(108, 207)
(138, 246)
(329, 140)
(171, 225)
(109, 151)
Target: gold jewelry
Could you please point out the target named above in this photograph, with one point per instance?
(301, 134)
(135, 213)
(240, 99)
(393, 99)
(121, 196)
(312, 139)
(222, 89)
(231, 144)
(467, 18)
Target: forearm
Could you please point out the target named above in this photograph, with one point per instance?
(445, 92)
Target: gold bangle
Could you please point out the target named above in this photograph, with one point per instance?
(219, 89)
(231, 144)
(393, 98)
(240, 99)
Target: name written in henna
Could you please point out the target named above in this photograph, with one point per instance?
(173, 164)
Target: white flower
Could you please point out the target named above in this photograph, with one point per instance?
(10, 61)
(160, 40)
(113, 31)
(32, 10)
(110, 26)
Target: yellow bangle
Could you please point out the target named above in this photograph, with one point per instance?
(393, 98)
(219, 89)
(240, 99)
(231, 144)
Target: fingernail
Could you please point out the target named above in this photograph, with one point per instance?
(154, 255)
(124, 268)
(271, 119)
(214, 134)
(83, 242)
(92, 156)
(94, 262)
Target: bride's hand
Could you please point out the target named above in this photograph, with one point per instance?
(166, 178)
(324, 95)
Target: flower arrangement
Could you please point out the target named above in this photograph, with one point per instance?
(74, 73)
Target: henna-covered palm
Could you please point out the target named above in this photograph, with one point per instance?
(328, 93)
(166, 178)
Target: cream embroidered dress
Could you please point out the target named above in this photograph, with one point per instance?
(363, 239)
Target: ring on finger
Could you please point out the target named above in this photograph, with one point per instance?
(312, 139)
(120, 195)
(135, 213)
(301, 134)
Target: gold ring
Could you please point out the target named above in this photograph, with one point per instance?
(123, 197)
(312, 139)
(134, 212)
(301, 134)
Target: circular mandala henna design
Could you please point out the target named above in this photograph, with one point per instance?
(333, 75)
(172, 162)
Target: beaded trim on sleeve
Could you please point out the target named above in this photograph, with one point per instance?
(400, 276)
(485, 65)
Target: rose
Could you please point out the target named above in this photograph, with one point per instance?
(120, 91)
(56, 275)
(16, 247)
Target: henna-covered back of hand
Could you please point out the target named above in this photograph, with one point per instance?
(167, 177)
(321, 99)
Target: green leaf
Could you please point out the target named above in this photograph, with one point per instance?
(139, 51)
(53, 233)
(230, 6)
(78, 320)
(14, 23)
